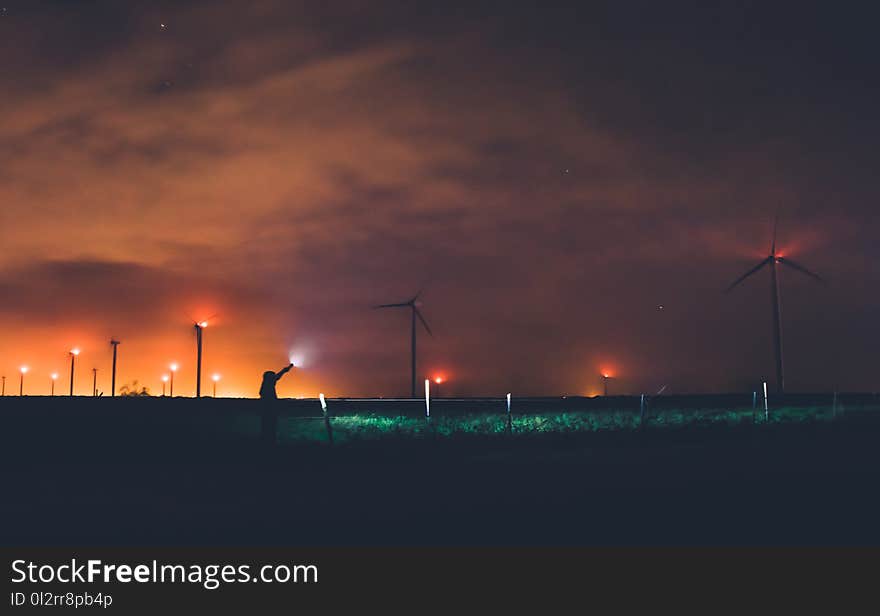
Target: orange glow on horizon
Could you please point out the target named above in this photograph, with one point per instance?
(239, 351)
(142, 362)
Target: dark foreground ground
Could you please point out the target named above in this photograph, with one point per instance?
(75, 475)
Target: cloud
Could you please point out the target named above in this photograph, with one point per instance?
(547, 179)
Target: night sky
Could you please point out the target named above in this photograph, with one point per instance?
(549, 176)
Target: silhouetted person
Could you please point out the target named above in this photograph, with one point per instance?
(270, 407)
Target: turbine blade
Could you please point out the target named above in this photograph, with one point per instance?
(391, 305)
(424, 322)
(749, 273)
(800, 268)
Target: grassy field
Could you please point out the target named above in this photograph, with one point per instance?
(169, 421)
(584, 471)
(375, 426)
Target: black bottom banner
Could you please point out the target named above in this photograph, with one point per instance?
(550, 580)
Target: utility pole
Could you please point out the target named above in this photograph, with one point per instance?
(94, 382)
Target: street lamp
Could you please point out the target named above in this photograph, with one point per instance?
(24, 370)
(164, 382)
(438, 380)
(54, 378)
(173, 368)
(200, 328)
(73, 354)
(215, 378)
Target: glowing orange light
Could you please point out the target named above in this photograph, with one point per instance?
(203, 324)
(54, 376)
(74, 351)
(164, 378)
(438, 379)
(216, 377)
(24, 369)
(173, 367)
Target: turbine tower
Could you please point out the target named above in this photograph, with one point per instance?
(200, 329)
(413, 305)
(114, 343)
(774, 259)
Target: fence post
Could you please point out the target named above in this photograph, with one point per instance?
(754, 406)
(428, 401)
(642, 411)
(428, 425)
(326, 419)
(766, 407)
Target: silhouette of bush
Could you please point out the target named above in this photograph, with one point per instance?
(133, 390)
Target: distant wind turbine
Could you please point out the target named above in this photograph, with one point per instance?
(774, 259)
(115, 344)
(413, 305)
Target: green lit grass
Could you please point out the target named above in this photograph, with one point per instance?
(372, 427)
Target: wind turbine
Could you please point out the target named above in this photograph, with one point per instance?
(774, 259)
(413, 305)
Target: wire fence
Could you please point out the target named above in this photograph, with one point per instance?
(186, 420)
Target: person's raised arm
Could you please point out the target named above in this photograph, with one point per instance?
(283, 372)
